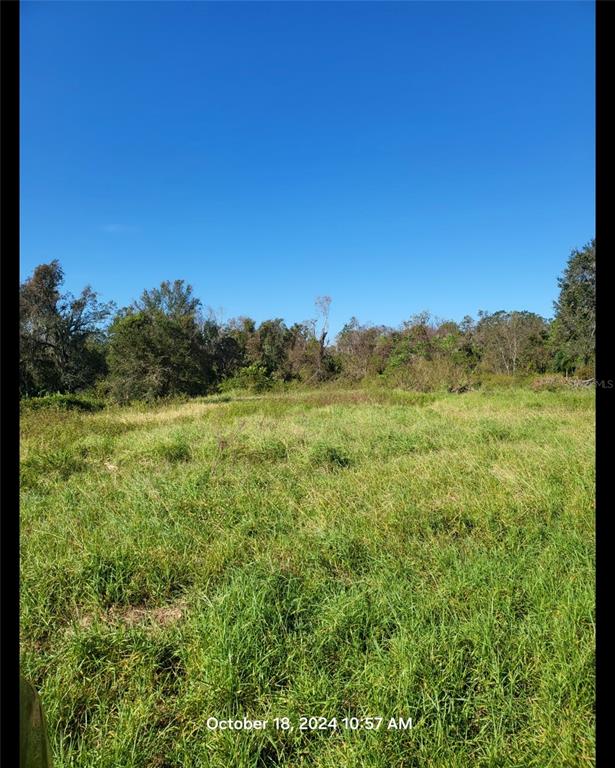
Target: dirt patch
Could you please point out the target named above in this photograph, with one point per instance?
(132, 616)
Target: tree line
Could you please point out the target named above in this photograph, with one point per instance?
(165, 344)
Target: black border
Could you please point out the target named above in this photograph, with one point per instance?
(9, 386)
(605, 373)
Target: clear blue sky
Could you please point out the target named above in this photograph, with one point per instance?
(395, 156)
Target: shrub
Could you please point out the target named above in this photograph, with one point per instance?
(60, 402)
(585, 372)
(549, 382)
(493, 381)
(423, 375)
(253, 377)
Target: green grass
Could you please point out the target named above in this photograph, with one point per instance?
(326, 553)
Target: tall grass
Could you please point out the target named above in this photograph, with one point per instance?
(342, 553)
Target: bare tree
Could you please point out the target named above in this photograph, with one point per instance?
(323, 304)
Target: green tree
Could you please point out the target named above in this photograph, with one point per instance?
(574, 328)
(157, 347)
(224, 349)
(268, 346)
(275, 341)
(61, 336)
(363, 349)
(512, 342)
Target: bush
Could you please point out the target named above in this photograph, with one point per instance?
(423, 375)
(551, 382)
(492, 381)
(254, 378)
(60, 402)
(585, 372)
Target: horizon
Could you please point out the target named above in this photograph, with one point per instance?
(278, 152)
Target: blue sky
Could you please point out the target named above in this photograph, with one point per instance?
(395, 156)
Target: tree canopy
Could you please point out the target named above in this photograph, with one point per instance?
(61, 337)
(165, 344)
(574, 329)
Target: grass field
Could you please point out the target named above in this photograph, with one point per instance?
(326, 553)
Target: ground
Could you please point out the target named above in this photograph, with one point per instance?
(329, 553)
